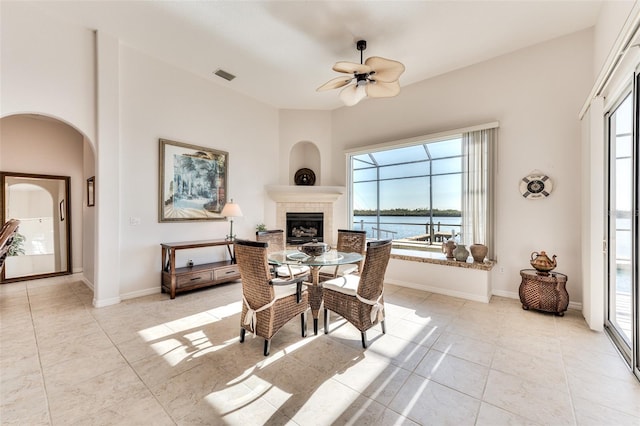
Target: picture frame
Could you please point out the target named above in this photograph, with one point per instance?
(192, 182)
(91, 191)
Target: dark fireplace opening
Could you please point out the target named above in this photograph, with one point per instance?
(304, 227)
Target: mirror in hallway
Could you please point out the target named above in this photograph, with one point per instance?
(43, 245)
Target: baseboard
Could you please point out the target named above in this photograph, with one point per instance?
(106, 302)
(87, 282)
(513, 295)
(140, 293)
(439, 290)
(575, 305)
(507, 294)
(502, 293)
(116, 300)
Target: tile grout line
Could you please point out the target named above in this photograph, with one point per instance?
(35, 336)
(566, 376)
(97, 320)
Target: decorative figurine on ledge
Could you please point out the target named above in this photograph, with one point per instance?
(461, 253)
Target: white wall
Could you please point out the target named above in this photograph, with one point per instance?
(612, 17)
(535, 94)
(88, 218)
(310, 126)
(160, 101)
(47, 67)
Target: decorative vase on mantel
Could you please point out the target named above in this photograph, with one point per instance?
(478, 252)
(461, 253)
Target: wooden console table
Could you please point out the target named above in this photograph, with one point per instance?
(176, 280)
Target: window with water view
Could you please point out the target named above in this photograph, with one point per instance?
(411, 194)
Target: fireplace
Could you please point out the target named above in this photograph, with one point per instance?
(304, 227)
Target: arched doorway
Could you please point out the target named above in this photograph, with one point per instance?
(39, 144)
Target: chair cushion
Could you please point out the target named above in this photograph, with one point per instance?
(284, 290)
(347, 284)
(283, 270)
(345, 269)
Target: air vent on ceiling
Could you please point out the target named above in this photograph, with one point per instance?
(222, 73)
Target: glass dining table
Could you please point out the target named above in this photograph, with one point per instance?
(330, 258)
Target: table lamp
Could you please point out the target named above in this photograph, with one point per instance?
(231, 210)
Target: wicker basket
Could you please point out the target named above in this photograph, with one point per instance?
(544, 291)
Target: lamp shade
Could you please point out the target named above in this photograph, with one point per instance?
(231, 209)
(353, 94)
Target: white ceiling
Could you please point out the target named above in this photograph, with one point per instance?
(281, 51)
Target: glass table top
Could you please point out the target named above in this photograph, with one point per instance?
(295, 257)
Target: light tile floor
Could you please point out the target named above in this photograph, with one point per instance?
(443, 360)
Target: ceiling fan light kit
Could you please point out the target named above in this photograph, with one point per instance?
(375, 78)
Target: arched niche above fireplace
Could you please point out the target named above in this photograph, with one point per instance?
(304, 154)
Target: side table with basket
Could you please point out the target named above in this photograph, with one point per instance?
(542, 289)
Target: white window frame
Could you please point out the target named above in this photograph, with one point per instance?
(424, 139)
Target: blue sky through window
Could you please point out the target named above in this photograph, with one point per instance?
(404, 177)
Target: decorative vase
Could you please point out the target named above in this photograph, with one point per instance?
(448, 248)
(479, 252)
(461, 253)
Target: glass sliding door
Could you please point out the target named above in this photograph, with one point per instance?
(635, 290)
(621, 223)
(621, 315)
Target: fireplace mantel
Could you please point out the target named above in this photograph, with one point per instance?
(304, 194)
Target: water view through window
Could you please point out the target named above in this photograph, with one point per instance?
(411, 194)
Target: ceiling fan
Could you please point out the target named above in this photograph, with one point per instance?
(375, 78)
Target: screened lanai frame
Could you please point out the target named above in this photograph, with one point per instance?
(420, 163)
(488, 134)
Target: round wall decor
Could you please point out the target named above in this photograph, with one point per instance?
(536, 185)
(305, 177)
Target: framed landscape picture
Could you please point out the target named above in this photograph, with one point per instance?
(193, 182)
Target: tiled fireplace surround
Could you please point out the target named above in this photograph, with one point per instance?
(326, 208)
(306, 199)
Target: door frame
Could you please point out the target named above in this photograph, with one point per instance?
(64, 209)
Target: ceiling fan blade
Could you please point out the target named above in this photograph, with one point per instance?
(382, 90)
(353, 94)
(386, 70)
(351, 68)
(335, 83)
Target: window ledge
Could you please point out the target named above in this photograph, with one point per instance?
(439, 259)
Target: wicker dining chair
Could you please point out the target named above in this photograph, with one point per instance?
(267, 303)
(7, 234)
(359, 298)
(275, 238)
(349, 241)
